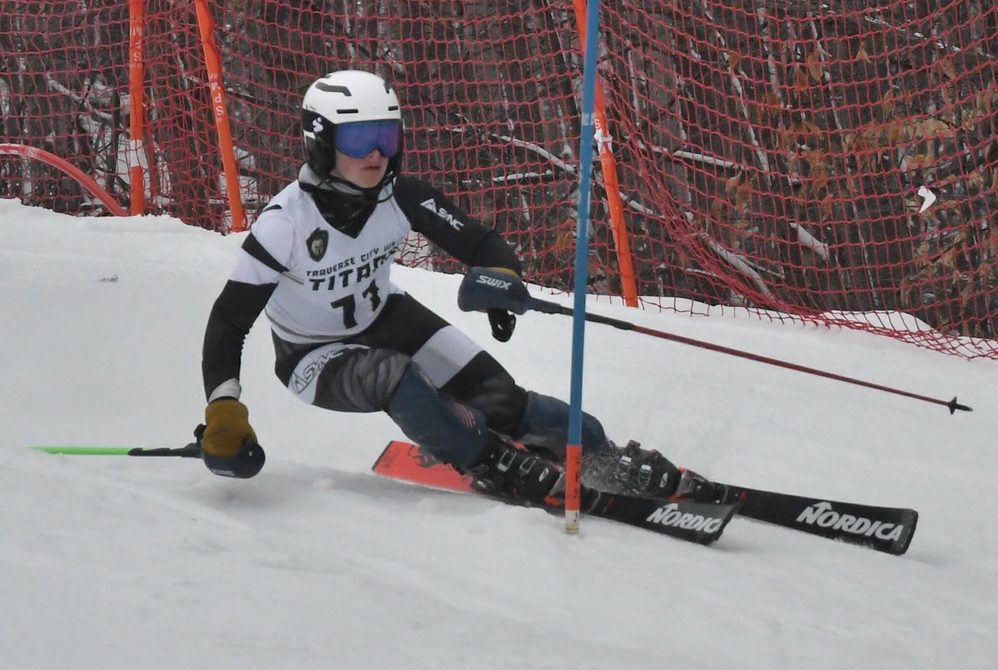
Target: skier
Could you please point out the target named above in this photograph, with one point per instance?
(346, 338)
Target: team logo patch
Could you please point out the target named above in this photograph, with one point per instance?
(317, 243)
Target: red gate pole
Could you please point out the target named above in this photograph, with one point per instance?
(136, 73)
(217, 89)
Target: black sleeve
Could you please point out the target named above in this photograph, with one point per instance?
(433, 215)
(231, 318)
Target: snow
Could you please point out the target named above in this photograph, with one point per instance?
(114, 562)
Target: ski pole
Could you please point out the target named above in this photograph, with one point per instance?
(554, 308)
(192, 450)
(245, 464)
(487, 288)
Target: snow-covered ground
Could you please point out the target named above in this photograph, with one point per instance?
(122, 563)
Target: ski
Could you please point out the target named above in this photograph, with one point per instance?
(702, 523)
(886, 529)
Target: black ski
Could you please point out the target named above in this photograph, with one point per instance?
(887, 529)
(692, 521)
(696, 522)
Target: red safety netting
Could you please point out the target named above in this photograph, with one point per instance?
(768, 154)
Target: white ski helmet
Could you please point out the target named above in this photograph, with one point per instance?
(347, 96)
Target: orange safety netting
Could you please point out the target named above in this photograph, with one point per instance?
(768, 154)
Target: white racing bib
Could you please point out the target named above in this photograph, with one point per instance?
(334, 285)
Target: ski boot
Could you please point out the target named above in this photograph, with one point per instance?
(698, 488)
(506, 471)
(647, 473)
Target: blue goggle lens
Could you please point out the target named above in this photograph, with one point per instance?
(361, 138)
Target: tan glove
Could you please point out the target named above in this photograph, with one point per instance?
(226, 428)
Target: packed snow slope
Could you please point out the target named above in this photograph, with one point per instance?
(113, 563)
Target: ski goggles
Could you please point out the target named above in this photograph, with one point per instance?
(360, 138)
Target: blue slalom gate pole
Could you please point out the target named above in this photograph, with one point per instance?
(574, 453)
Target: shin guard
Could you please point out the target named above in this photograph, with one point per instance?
(452, 432)
(545, 424)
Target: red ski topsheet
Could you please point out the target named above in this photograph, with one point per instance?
(405, 461)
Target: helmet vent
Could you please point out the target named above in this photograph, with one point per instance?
(332, 88)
